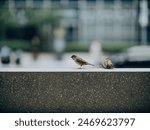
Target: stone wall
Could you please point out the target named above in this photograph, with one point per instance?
(74, 92)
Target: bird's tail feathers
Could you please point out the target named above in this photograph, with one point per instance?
(90, 64)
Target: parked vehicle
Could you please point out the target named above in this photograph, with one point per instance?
(5, 55)
(134, 57)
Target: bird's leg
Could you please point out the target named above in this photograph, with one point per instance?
(81, 67)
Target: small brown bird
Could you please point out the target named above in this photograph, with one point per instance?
(107, 63)
(80, 61)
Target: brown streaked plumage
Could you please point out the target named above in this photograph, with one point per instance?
(107, 63)
(80, 61)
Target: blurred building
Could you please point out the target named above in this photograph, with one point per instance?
(87, 20)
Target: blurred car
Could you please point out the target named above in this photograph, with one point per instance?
(5, 55)
(139, 53)
(133, 57)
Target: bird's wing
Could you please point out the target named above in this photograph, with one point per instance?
(80, 60)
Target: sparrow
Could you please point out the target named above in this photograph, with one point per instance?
(80, 61)
(107, 63)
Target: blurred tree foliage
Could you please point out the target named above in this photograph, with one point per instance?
(40, 17)
(7, 18)
(35, 17)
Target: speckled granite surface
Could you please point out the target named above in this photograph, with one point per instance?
(74, 92)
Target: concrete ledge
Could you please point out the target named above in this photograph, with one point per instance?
(91, 69)
(76, 91)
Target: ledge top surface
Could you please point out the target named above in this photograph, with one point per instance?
(74, 70)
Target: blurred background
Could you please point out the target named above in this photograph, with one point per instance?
(45, 33)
